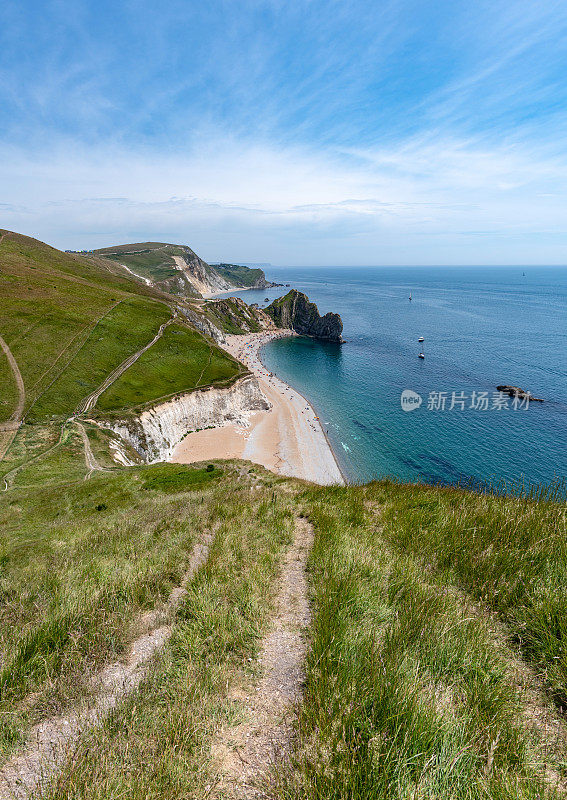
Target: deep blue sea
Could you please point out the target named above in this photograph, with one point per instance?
(483, 326)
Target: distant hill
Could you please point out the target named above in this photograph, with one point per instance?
(68, 323)
(178, 270)
(243, 276)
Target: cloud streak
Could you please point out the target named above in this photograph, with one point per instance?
(311, 132)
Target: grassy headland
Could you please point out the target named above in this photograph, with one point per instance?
(437, 664)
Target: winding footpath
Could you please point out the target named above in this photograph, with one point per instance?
(12, 424)
(51, 742)
(244, 755)
(90, 460)
(89, 401)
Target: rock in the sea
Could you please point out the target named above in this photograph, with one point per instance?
(295, 311)
(521, 394)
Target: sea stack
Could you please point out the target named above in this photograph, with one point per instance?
(296, 312)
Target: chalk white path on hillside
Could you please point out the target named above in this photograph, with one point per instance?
(11, 425)
(244, 754)
(86, 404)
(147, 281)
(51, 742)
(90, 459)
(288, 439)
(19, 410)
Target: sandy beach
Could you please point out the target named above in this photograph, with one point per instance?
(287, 439)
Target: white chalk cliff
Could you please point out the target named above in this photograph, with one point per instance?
(156, 432)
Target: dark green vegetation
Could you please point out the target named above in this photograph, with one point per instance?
(233, 315)
(242, 276)
(180, 361)
(296, 312)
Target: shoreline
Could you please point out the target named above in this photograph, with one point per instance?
(311, 406)
(287, 439)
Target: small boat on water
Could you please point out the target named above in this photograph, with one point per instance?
(421, 339)
(410, 296)
(421, 355)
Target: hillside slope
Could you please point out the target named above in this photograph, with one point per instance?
(73, 328)
(434, 661)
(177, 270)
(245, 277)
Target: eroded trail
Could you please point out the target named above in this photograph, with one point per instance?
(8, 429)
(90, 401)
(90, 460)
(245, 754)
(51, 742)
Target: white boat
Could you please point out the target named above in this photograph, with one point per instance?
(421, 339)
(421, 355)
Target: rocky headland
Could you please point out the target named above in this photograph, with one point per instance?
(296, 312)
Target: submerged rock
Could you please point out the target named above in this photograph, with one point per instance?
(295, 311)
(521, 394)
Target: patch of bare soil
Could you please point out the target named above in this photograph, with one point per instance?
(244, 754)
(51, 742)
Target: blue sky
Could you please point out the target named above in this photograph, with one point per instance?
(296, 132)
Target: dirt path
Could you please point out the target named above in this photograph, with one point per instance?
(90, 460)
(245, 754)
(51, 742)
(86, 404)
(12, 424)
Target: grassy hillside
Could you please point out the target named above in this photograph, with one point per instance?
(152, 260)
(69, 324)
(240, 275)
(437, 657)
(436, 661)
(181, 361)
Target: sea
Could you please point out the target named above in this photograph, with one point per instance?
(440, 419)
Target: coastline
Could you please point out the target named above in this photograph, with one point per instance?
(288, 439)
(229, 292)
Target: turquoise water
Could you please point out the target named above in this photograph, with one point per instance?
(482, 327)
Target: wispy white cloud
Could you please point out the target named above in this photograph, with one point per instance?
(239, 200)
(297, 132)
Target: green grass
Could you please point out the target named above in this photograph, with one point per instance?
(123, 331)
(180, 361)
(152, 260)
(69, 322)
(231, 317)
(412, 684)
(77, 563)
(409, 694)
(240, 275)
(9, 394)
(64, 464)
(158, 744)
(510, 554)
